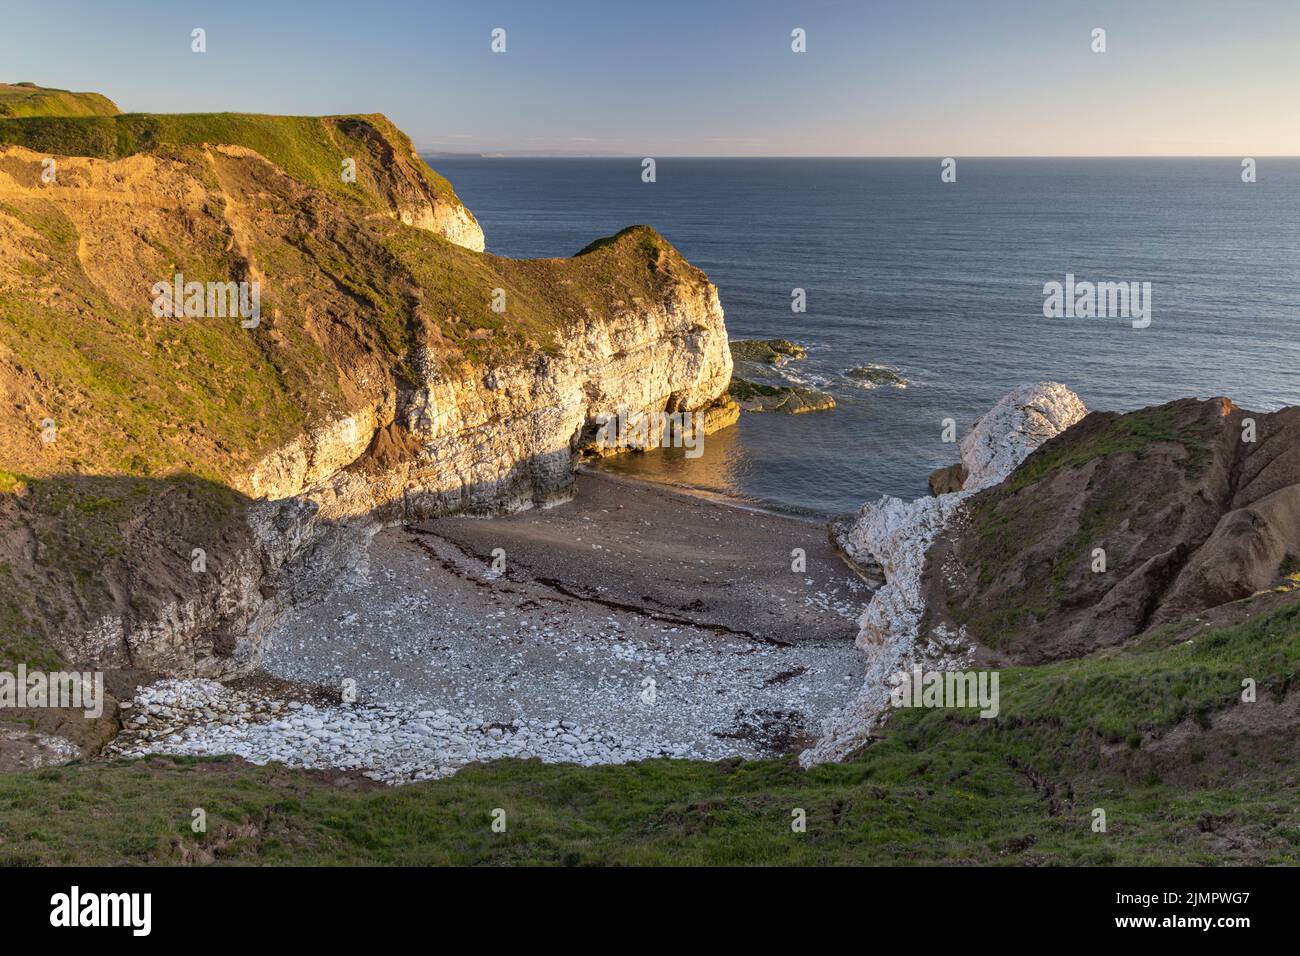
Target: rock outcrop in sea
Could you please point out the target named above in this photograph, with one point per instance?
(757, 387)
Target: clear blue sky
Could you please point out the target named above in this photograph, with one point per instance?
(660, 77)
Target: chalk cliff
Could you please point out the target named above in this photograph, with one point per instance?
(167, 485)
(895, 536)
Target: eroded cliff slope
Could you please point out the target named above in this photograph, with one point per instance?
(1072, 534)
(1121, 524)
(168, 482)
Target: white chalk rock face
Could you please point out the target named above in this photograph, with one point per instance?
(453, 222)
(1022, 420)
(896, 535)
(498, 439)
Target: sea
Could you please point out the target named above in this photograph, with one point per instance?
(939, 282)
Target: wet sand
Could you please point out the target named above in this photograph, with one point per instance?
(679, 555)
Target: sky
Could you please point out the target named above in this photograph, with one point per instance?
(663, 77)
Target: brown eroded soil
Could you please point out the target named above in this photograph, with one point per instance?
(1189, 515)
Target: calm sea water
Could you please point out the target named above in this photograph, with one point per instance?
(942, 283)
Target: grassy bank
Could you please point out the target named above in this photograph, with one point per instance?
(28, 99)
(308, 148)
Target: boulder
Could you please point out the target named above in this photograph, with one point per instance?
(944, 481)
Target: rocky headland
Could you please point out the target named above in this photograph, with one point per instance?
(1061, 533)
(893, 537)
(170, 486)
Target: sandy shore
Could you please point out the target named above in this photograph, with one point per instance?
(631, 621)
(685, 557)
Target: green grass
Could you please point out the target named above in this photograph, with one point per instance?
(939, 787)
(309, 148)
(140, 385)
(11, 483)
(27, 99)
(1134, 433)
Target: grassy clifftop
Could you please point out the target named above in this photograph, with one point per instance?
(311, 149)
(28, 99)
